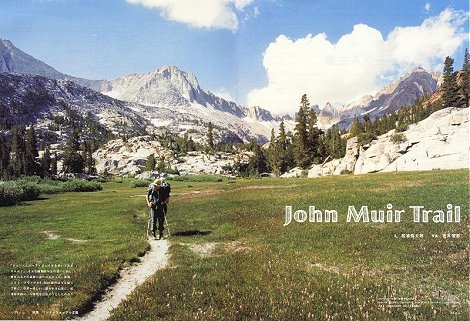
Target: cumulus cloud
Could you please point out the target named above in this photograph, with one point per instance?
(215, 14)
(357, 64)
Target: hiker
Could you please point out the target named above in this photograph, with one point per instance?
(157, 202)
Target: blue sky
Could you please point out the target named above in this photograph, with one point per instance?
(252, 50)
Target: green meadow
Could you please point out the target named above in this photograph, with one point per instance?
(231, 258)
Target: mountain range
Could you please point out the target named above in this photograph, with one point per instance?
(171, 99)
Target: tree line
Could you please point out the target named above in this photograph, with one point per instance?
(19, 155)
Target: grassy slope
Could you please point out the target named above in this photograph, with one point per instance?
(262, 270)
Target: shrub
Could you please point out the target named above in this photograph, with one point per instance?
(401, 128)
(78, 185)
(197, 178)
(398, 138)
(365, 138)
(47, 188)
(139, 183)
(30, 190)
(10, 193)
(13, 192)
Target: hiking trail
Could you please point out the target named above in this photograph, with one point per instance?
(155, 259)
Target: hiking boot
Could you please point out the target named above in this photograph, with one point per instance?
(160, 236)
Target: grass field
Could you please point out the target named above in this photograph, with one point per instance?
(232, 258)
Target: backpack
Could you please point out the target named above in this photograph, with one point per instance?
(164, 191)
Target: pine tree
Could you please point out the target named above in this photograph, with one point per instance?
(46, 162)
(450, 94)
(88, 159)
(272, 141)
(274, 155)
(301, 135)
(210, 137)
(18, 151)
(282, 140)
(161, 166)
(355, 128)
(150, 163)
(465, 88)
(258, 162)
(73, 161)
(366, 124)
(31, 152)
(4, 159)
(315, 148)
(54, 164)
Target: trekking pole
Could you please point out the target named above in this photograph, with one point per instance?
(166, 223)
(148, 224)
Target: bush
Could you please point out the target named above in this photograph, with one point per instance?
(198, 178)
(30, 191)
(139, 183)
(401, 128)
(13, 192)
(398, 138)
(47, 188)
(78, 185)
(10, 193)
(365, 138)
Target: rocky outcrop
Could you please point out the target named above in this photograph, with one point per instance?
(126, 158)
(129, 157)
(439, 142)
(293, 173)
(203, 163)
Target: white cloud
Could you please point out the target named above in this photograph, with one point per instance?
(215, 14)
(427, 7)
(357, 64)
(223, 93)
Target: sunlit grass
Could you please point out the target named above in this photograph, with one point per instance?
(318, 271)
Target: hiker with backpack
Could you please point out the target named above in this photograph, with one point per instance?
(158, 196)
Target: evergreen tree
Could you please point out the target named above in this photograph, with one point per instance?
(18, 151)
(31, 152)
(210, 137)
(4, 159)
(282, 144)
(465, 88)
(73, 161)
(274, 155)
(151, 163)
(336, 146)
(54, 164)
(301, 135)
(161, 166)
(272, 141)
(449, 84)
(355, 128)
(316, 149)
(366, 124)
(88, 158)
(46, 162)
(258, 162)
(282, 140)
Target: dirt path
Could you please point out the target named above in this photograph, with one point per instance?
(153, 260)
